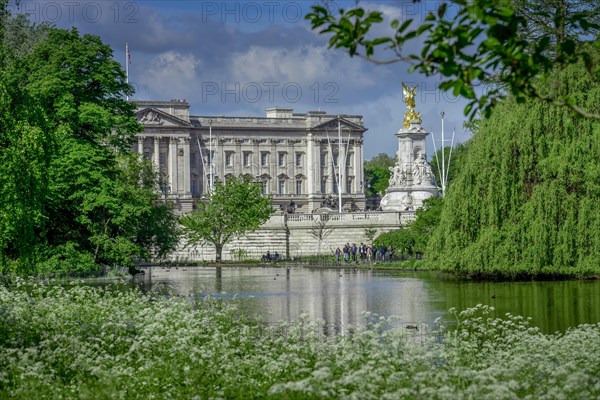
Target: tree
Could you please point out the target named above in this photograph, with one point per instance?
(235, 207)
(414, 238)
(106, 206)
(377, 174)
(73, 195)
(524, 203)
(320, 229)
(481, 42)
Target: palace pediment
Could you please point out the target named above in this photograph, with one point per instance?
(333, 125)
(153, 117)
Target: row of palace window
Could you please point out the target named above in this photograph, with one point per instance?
(264, 159)
(282, 188)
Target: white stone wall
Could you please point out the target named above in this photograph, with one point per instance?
(342, 228)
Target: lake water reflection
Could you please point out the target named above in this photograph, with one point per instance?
(341, 297)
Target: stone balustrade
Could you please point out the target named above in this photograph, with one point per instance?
(299, 230)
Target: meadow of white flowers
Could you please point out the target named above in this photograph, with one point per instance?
(93, 343)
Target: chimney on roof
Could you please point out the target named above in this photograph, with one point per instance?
(277, 112)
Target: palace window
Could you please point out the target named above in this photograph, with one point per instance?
(146, 154)
(298, 159)
(162, 159)
(281, 159)
(324, 185)
(265, 187)
(264, 159)
(281, 186)
(298, 186)
(229, 159)
(349, 185)
(247, 158)
(323, 160)
(349, 158)
(192, 159)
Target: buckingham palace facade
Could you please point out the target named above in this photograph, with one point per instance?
(295, 156)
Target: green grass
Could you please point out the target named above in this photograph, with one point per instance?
(96, 343)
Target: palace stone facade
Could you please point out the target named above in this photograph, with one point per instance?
(295, 156)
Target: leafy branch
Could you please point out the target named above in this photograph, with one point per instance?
(485, 42)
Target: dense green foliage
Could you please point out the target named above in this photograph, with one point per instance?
(467, 42)
(377, 174)
(73, 195)
(99, 344)
(525, 202)
(412, 240)
(234, 208)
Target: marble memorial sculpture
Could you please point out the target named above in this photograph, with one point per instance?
(411, 179)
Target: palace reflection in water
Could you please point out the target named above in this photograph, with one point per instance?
(341, 297)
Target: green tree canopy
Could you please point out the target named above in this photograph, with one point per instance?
(377, 174)
(413, 239)
(72, 194)
(525, 200)
(235, 207)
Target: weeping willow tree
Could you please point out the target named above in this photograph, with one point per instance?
(526, 202)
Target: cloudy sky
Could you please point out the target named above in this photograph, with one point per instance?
(239, 58)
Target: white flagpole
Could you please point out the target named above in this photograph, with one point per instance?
(339, 166)
(210, 156)
(443, 159)
(127, 64)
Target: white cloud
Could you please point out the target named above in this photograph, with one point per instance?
(304, 65)
(169, 74)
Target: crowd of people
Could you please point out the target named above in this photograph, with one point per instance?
(350, 253)
(270, 257)
(364, 253)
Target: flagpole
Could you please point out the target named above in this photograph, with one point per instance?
(127, 65)
(443, 159)
(339, 182)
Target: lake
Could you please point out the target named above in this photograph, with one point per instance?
(341, 297)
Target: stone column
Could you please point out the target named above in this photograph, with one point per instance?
(141, 145)
(273, 166)
(187, 176)
(359, 185)
(342, 168)
(310, 165)
(256, 151)
(173, 164)
(156, 155)
(330, 170)
(220, 158)
(238, 155)
(291, 169)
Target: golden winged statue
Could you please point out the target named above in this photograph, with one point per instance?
(409, 98)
